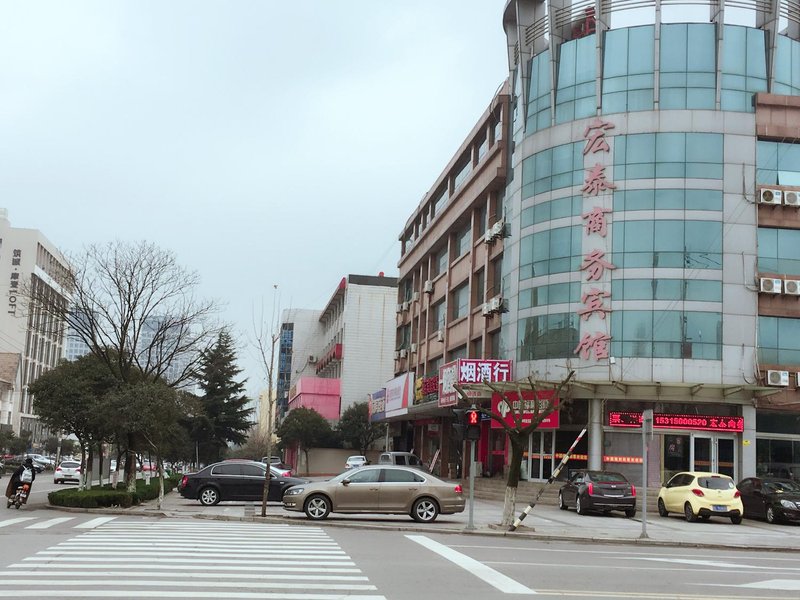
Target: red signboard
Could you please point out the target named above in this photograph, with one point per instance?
(669, 421)
(501, 407)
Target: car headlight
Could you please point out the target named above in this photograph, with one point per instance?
(294, 491)
(788, 504)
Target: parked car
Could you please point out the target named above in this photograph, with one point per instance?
(353, 462)
(698, 494)
(401, 458)
(234, 480)
(377, 489)
(42, 460)
(68, 470)
(771, 498)
(277, 462)
(598, 491)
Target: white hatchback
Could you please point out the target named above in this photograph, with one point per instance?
(68, 470)
(354, 462)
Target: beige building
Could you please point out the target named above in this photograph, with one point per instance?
(28, 261)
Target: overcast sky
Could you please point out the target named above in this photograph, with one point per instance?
(264, 142)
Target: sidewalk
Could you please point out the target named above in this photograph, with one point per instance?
(543, 523)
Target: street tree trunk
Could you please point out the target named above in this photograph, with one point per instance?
(517, 442)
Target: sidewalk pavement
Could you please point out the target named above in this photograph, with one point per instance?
(544, 522)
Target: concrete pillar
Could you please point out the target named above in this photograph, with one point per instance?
(748, 446)
(595, 434)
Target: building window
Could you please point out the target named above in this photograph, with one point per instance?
(438, 204)
(547, 336)
(779, 251)
(460, 302)
(668, 243)
(538, 95)
(494, 345)
(787, 67)
(463, 241)
(496, 282)
(404, 337)
(664, 155)
(552, 251)
(743, 67)
(693, 290)
(478, 288)
(438, 316)
(628, 69)
(779, 340)
(480, 221)
(556, 293)
(460, 352)
(552, 169)
(777, 163)
(667, 199)
(462, 174)
(688, 78)
(667, 334)
(570, 206)
(575, 96)
(440, 262)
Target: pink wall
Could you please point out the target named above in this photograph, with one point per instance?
(321, 394)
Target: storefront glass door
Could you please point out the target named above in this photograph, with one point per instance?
(713, 453)
(540, 455)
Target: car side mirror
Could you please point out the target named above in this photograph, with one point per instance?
(345, 482)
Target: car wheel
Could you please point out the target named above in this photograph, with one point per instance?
(736, 520)
(209, 496)
(317, 507)
(630, 512)
(662, 510)
(579, 507)
(425, 510)
(689, 513)
(561, 504)
(771, 517)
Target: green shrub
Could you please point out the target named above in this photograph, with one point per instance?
(108, 496)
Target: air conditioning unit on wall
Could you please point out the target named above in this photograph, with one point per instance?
(778, 378)
(440, 336)
(770, 196)
(428, 287)
(770, 286)
(791, 287)
(791, 198)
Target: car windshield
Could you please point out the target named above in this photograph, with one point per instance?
(715, 483)
(782, 487)
(600, 477)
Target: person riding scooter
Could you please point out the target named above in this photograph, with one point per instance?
(25, 473)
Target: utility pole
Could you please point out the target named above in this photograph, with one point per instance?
(647, 431)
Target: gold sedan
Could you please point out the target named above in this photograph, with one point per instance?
(377, 489)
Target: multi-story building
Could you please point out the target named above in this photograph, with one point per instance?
(29, 265)
(653, 220)
(333, 358)
(449, 292)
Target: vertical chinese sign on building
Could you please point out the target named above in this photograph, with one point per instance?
(13, 284)
(596, 267)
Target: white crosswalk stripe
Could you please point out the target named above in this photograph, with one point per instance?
(49, 523)
(140, 559)
(36, 523)
(8, 522)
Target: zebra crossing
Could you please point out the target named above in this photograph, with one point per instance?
(37, 523)
(190, 559)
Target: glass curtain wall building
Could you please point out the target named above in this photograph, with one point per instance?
(654, 230)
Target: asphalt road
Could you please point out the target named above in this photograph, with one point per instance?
(58, 554)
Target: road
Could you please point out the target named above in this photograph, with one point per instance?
(55, 554)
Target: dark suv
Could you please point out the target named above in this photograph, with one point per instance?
(234, 480)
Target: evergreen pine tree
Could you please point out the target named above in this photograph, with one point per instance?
(226, 418)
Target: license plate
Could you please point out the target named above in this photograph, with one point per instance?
(614, 494)
(720, 507)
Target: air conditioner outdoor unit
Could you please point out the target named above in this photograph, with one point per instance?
(791, 198)
(770, 286)
(413, 348)
(778, 378)
(397, 355)
(791, 287)
(496, 303)
(415, 297)
(487, 309)
(405, 306)
(499, 228)
(312, 358)
(768, 196)
(428, 287)
(440, 336)
(403, 353)
(488, 237)
(399, 308)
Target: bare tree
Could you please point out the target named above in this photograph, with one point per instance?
(135, 308)
(266, 336)
(518, 431)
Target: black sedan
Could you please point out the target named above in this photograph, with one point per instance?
(234, 480)
(770, 498)
(598, 490)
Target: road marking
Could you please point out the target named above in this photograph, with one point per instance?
(8, 522)
(708, 563)
(21, 593)
(326, 554)
(787, 585)
(123, 570)
(51, 566)
(172, 582)
(49, 523)
(494, 578)
(94, 523)
(209, 561)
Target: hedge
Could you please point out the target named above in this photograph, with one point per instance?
(107, 496)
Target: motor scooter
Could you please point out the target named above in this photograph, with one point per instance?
(20, 497)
